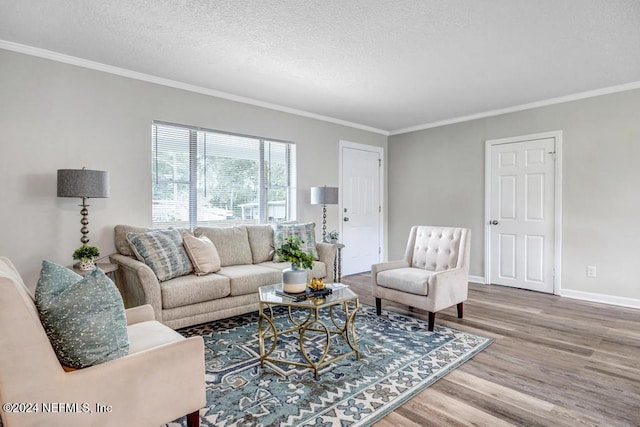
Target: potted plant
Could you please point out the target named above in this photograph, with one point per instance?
(86, 255)
(333, 236)
(294, 279)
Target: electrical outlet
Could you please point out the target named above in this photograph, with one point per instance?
(591, 271)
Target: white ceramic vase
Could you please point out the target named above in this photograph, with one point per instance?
(294, 280)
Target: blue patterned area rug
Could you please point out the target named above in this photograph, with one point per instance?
(399, 357)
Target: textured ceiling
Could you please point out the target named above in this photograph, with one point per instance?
(387, 64)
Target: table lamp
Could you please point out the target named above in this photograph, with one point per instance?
(324, 196)
(83, 183)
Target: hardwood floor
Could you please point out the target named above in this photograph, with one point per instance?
(554, 362)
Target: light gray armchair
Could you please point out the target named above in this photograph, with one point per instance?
(433, 275)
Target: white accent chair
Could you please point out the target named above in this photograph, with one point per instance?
(433, 275)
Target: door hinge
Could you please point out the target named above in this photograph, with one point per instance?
(379, 162)
(379, 209)
(379, 250)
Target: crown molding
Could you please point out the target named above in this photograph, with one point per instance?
(72, 60)
(537, 104)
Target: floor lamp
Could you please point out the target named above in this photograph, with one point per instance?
(324, 196)
(83, 183)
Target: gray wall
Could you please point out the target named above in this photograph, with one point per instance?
(437, 177)
(56, 116)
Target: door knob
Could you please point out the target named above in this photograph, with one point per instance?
(494, 222)
(346, 219)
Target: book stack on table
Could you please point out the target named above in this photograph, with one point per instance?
(304, 295)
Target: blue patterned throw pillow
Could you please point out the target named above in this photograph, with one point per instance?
(162, 251)
(83, 317)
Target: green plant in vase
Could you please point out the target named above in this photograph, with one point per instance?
(290, 251)
(294, 279)
(86, 255)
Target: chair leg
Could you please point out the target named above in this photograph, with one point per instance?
(193, 419)
(378, 306)
(432, 321)
(459, 310)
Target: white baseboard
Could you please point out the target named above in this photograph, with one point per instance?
(605, 299)
(585, 296)
(476, 279)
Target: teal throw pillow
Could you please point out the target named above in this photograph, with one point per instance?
(162, 251)
(83, 317)
(305, 231)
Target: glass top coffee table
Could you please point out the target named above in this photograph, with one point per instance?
(305, 318)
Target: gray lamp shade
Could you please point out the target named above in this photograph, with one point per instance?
(324, 195)
(83, 183)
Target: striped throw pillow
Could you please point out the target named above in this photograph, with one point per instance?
(162, 251)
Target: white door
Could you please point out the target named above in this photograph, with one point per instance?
(522, 214)
(361, 208)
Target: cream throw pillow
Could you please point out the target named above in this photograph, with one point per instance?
(202, 253)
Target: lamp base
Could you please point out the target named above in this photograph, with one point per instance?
(324, 223)
(84, 221)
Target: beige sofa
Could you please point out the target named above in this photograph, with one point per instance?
(246, 256)
(160, 380)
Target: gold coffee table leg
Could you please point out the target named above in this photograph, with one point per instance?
(324, 328)
(262, 332)
(293, 320)
(350, 326)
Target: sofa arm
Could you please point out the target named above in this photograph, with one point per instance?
(448, 287)
(327, 254)
(382, 266)
(138, 284)
(139, 314)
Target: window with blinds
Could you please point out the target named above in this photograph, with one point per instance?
(204, 177)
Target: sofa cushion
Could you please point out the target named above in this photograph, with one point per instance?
(202, 253)
(162, 251)
(261, 242)
(319, 269)
(232, 244)
(123, 246)
(410, 280)
(306, 232)
(246, 279)
(120, 238)
(150, 334)
(83, 317)
(193, 289)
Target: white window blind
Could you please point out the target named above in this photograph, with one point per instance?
(207, 177)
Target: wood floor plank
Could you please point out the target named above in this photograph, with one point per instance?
(442, 409)
(394, 419)
(540, 409)
(554, 361)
